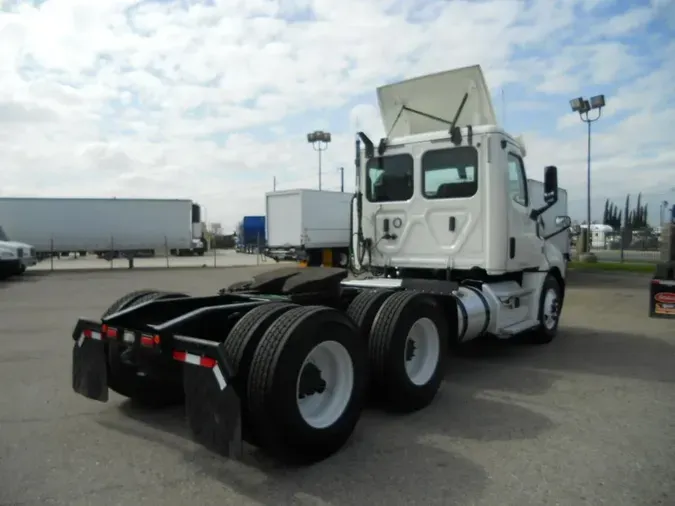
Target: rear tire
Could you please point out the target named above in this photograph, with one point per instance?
(364, 308)
(408, 347)
(123, 378)
(303, 412)
(240, 346)
(126, 301)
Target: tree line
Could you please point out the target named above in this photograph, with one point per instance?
(633, 218)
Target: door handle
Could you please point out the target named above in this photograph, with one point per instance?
(452, 223)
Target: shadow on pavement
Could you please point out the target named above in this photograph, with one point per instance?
(393, 454)
(27, 277)
(516, 365)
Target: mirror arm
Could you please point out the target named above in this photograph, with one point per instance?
(535, 213)
(560, 231)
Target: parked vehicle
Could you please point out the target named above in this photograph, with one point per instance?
(251, 234)
(310, 226)
(18, 256)
(109, 227)
(10, 263)
(453, 248)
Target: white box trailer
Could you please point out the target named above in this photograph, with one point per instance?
(309, 225)
(101, 225)
(535, 190)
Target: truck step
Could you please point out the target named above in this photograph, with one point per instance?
(517, 328)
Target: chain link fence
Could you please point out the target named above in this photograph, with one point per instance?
(119, 252)
(623, 245)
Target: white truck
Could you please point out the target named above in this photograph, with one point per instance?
(448, 233)
(109, 227)
(311, 226)
(15, 256)
(9, 262)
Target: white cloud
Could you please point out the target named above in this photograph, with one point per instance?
(210, 102)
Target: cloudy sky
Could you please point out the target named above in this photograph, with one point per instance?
(210, 100)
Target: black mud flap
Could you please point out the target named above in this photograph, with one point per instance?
(90, 374)
(213, 410)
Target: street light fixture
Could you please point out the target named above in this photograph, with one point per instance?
(584, 107)
(319, 141)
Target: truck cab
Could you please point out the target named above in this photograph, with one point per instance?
(446, 197)
(432, 200)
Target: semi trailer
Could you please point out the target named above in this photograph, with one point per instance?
(446, 246)
(109, 227)
(251, 234)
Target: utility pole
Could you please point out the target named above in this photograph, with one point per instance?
(342, 179)
(274, 183)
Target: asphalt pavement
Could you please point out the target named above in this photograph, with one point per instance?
(586, 420)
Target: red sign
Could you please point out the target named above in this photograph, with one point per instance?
(666, 298)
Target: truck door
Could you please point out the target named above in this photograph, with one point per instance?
(522, 247)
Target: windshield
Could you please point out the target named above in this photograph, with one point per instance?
(450, 173)
(3, 236)
(389, 178)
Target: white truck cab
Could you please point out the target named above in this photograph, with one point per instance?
(445, 196)
(24, 253)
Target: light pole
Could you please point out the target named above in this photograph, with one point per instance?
(584, 107)
(342, 179)
(319, 141)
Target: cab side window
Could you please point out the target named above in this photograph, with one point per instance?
(517, 180)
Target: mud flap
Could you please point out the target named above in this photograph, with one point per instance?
(213, 410)
(90, 374)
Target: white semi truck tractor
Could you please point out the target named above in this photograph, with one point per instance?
(447, 245)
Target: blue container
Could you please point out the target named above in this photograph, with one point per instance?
(253, 230)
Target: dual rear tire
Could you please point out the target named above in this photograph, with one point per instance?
(407, 337)
(304, 373)
(301, 374)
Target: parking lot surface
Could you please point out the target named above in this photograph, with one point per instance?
(587, 420)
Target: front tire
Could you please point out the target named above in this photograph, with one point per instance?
(307, 384)
(550, 304)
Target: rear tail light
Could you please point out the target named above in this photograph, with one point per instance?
(149, 341)
(109, 332)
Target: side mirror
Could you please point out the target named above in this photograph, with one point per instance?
(563, 222)
(368, 144)
(551, 184)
